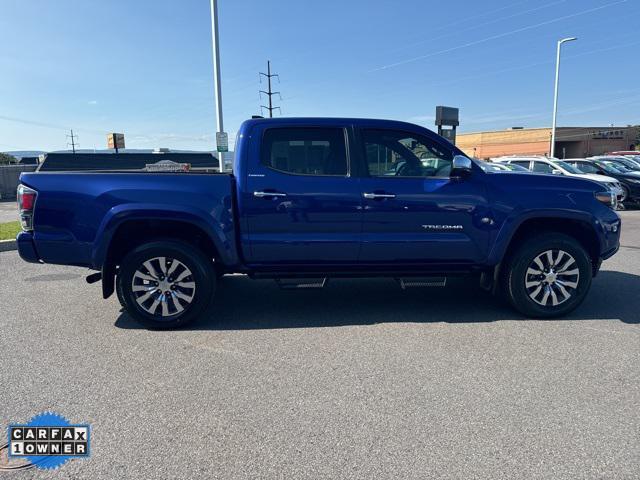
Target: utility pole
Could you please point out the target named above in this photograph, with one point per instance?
(269, 93)
(217, 84)
(73, 141)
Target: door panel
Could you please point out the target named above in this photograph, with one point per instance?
(413, 211)
(427, 221)
(300, 205)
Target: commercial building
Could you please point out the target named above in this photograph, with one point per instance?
(571, 142)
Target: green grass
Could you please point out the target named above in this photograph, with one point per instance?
(9, 230)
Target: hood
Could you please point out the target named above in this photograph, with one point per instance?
(542, 181)
(596, 178)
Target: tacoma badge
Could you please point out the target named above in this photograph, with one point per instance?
(443, 227)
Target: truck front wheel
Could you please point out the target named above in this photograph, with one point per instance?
(547, 276)
(166, 284)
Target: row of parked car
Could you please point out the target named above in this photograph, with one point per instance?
(619, 171)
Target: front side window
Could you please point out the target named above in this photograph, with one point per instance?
(401, 154)
(521, 163)
(305, 151)
(541, 167)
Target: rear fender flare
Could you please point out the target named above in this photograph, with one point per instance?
(218, 233)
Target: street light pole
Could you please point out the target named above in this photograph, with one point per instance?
(217, 84)
(555, 95)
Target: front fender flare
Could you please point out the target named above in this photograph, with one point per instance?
(512, 223)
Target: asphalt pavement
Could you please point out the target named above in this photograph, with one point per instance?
(8, 211)
(359, 380)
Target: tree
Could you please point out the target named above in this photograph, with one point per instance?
(6, 159)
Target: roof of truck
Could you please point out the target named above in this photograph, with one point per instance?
(330, 121)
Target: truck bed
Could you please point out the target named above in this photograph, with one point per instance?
(78, 213)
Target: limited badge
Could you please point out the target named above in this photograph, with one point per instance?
(48, 440)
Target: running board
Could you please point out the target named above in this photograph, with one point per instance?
(412, 282)
(299, 283)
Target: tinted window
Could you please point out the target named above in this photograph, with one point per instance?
(586, 167)
(305, 151)
(521, 163)
(542, 167)
(613, 167)
(566, 166)
(400, 154)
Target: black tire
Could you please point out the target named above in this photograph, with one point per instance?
(119, 293)
(517, 276)
(180, 303)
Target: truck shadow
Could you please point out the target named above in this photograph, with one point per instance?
(244, 304)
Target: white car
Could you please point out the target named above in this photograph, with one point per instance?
(556, 166)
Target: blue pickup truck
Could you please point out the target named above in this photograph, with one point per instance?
(316, 198)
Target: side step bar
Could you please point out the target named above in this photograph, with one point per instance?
(408, 282)
(299, 283)
(412, 282)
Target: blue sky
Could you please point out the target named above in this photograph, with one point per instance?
(144, 67)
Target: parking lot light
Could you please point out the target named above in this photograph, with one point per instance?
(555, 95)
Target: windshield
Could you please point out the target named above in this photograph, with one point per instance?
(489, 167)
(613, 167)
(565, 166)
(630, 163)
(516, 168)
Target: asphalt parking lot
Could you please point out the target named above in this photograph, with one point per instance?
(360, 380)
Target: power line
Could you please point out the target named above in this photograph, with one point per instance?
(269, 93)
(475, 26)
(496, 36)
(73, 141)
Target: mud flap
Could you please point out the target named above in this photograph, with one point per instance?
(108, 280)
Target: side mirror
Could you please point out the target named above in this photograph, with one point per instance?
(461, 166)
(556, 172)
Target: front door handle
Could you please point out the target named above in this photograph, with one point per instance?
(378, 196)
(269, 194)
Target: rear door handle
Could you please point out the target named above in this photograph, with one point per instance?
(377, 196)
(269, 194)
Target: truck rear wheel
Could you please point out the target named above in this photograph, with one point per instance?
(166, 284)
(548, 276)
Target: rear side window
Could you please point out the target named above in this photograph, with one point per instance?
(305, 151)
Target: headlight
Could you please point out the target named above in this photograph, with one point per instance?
(607, 198)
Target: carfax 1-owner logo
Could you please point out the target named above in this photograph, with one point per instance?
(48, 441)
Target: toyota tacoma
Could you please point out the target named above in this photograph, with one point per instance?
(310, 199)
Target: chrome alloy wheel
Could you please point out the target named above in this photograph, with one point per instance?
(625, 194)
(163, 286)
(552, 278)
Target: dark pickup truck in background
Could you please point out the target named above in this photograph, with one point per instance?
(311, 199)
